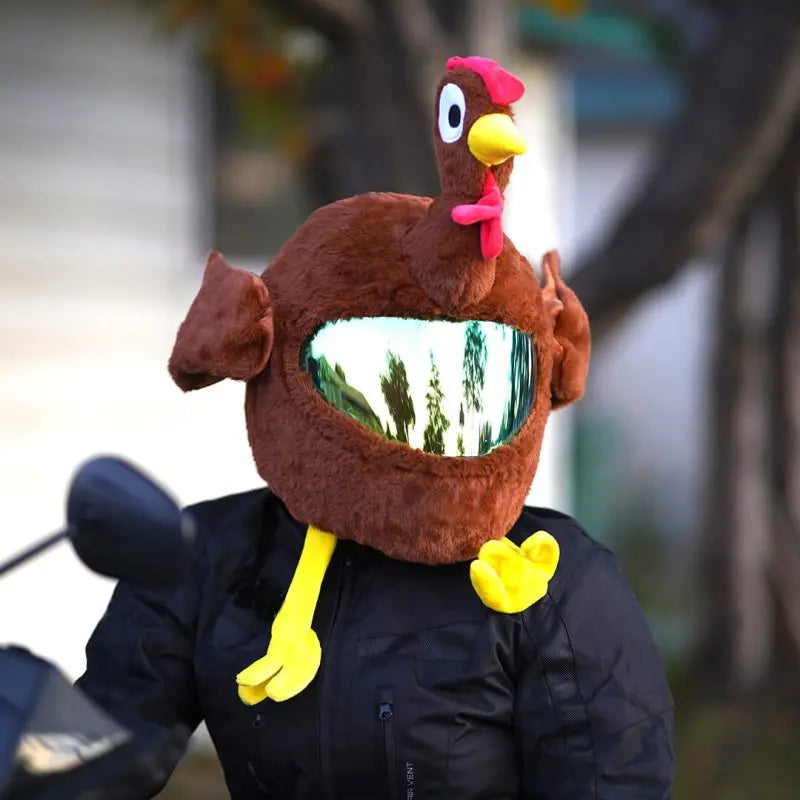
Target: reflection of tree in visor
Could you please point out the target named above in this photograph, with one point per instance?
(445, 387)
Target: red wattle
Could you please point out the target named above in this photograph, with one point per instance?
(487, 212)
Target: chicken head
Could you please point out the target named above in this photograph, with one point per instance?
(367, 412)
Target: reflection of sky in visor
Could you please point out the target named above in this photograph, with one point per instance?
(453, 388)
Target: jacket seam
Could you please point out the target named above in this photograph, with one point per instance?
(555, 605)
(652, 715)
(590, 734)
(199, 574)
(590, 555)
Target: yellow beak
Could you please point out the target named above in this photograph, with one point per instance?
(494, 138)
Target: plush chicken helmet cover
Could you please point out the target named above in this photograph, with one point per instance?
(401, 356)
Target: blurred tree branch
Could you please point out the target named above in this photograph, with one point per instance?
(752, 542)
(336, 20)
(784, 407)
(744, 97)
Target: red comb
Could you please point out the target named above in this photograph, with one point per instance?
(504, 88)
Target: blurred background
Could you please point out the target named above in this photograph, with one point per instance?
(663, 162)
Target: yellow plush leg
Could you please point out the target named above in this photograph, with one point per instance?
(294, 653)
(508, 578)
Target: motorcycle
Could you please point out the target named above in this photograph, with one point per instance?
(55, 743)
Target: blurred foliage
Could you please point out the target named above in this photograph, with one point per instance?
(269, 61)
(567, 8)
(243, 39)
(263, 60)
(736, 751)
(199, 777)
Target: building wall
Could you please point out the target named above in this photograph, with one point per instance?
(102, 239)
(648, 378)
(537, 218)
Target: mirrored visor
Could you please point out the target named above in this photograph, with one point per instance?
(448, 388)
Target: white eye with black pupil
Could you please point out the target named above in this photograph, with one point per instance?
(451, 113)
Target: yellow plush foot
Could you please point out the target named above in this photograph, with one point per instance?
(288, 667)
(508, 578)
(294, 652)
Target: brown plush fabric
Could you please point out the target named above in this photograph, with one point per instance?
(571, 329)
(228, 331)
(391, 255)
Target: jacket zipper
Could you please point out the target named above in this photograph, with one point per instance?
(329, 648)
(386, 716)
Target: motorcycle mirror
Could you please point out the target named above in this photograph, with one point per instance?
(123, 525)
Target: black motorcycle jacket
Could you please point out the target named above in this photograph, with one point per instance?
(423, 693)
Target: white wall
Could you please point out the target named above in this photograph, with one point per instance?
(101, 251)
(649, 377)
(537, 219)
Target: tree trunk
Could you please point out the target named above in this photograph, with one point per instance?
(784, 416)
(752, 557)
(715, 651)
(738, 642)
(743, 100)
